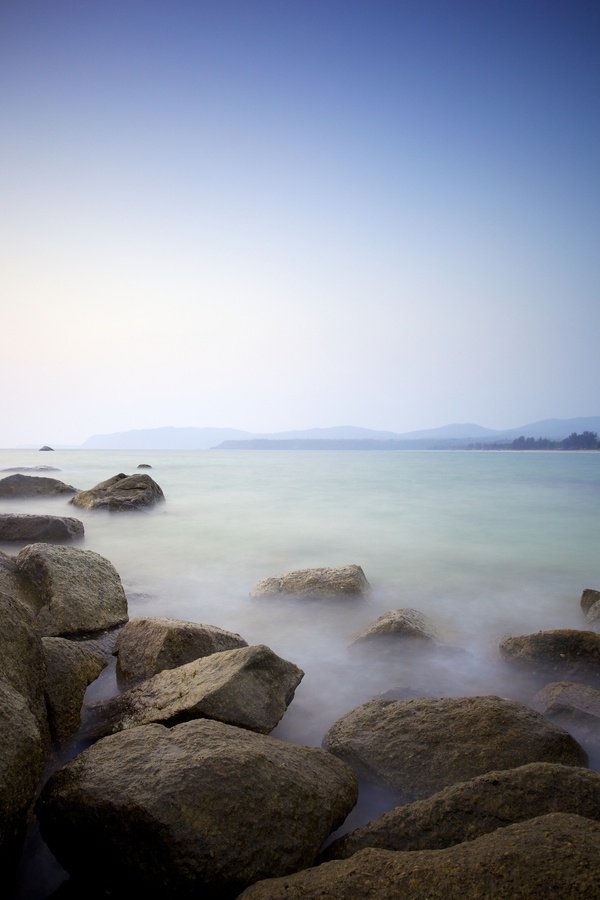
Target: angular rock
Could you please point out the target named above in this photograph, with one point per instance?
(70, 667)
(39, 528)
(566, 651)
(201, 809)
(22, 662)
(33, 486)
(121, 493)
(147, 646)
(21, 765)
(590, 604)
(322, 583)
(570, 703)
(418, 747)
(552, 856)
(79, 591)
(469, 809)
(250, 687)
(397, 624)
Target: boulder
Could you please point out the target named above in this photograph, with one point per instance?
(566, 651)
(79, 591)
(590, 604)
(397, 624)
(321, 583)
(22, 662)
(121, 493)
(250, 687)
(33, 486)
(418, 747)
(570, 704)
(200, 809)
(39, 528)
(16, 585)
(552, 856)
(70, 667)
(21, 765)
(469, 809)
(147, 646)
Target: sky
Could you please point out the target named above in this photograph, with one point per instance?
(274, 215)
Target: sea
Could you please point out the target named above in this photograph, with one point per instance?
(487, 544)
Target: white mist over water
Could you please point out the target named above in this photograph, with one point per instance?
(485, 543)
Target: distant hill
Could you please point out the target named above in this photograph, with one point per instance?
(344, 436)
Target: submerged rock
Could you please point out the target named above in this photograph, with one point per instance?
(557, 855)
(78, 591)
(200, 809)
(325, 582)
(566, 650)
(250, 687)
(418, 747)
(469, 809)
(121, 493)
(570, 704)
(147, 646)
(39, 528)
(144, 466)
(70, 667)
(33, 486)
(398, 624)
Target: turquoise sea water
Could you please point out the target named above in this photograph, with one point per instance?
(486, 543)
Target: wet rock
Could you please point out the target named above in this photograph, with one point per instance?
(570, 704)
(70, 667)
(590, 604)
(418, 747)
(200, 809)
(250, 687)
(21, 765)
(33, 486)
(469, 809)
(39, 528)
(121, 493)
(397, 624)
(22, 662)
(78, 591)
(557, 855)
(147, 646)
(321, 583)
(566, 651)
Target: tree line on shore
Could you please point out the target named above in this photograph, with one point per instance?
(587, 440)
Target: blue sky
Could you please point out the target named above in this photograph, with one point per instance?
(272, 215)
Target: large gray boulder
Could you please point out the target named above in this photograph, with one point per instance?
(345, 581)
(200, 809)
(39, 528)
(147, 646)
(566, 651)
(395, 625)
(469, 809)
(70, 668)
(78, 591)
(552, 856)
(570, 704)
(250, 687)
(121, 493)
(418, 747)
(33, 486)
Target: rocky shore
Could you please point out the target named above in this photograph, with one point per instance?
(175, 787)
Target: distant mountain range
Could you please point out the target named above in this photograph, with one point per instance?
(337, 437)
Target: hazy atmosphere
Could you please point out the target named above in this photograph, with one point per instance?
(275, 215)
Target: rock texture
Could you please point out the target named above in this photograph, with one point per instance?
(418, 747)
(39, 528)
(570, 703)
(70, 667)
(590, 604)
(201, 809)
(22, 662)
(326, 582)
(14, 584)
(566, 651)
(121, 493)
(250, 687)
(551, 856)
(79, 591)
(33, 486)
(395, 625)
(147, 646)
(469, 809)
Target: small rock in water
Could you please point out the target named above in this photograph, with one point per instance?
(144, 466)
(570, 703)
(33, 486)
(46, 447)
(590, 604)
(321, 583)
(566, 650)
(398, 624)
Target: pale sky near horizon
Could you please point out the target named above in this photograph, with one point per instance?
(274, 215)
